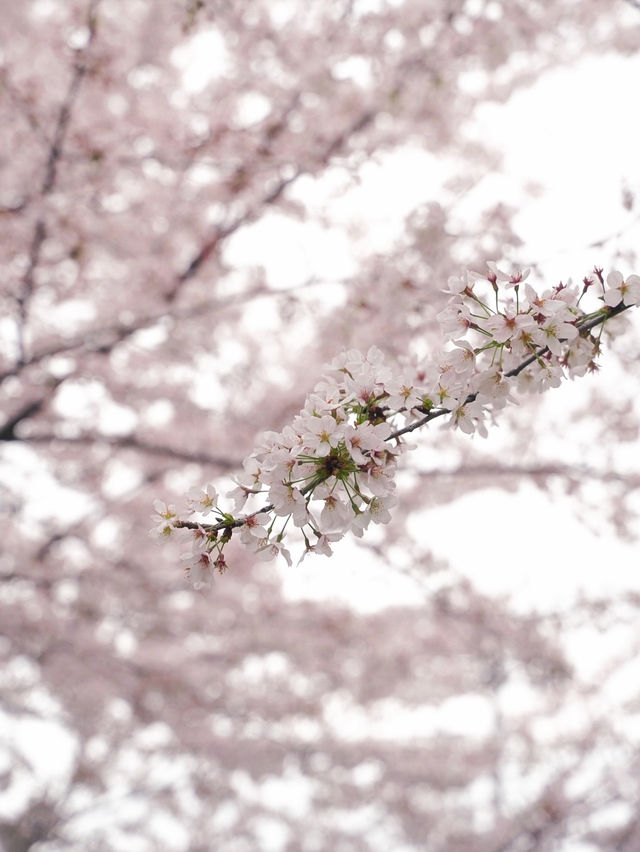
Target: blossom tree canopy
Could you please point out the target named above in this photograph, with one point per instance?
(147, 150)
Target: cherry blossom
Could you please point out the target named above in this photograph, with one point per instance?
(198, 567)
(163, 519)
(288, 500)
(321, 435)
(621, 290)
(253, 527)
(204, 500)
(341, 451)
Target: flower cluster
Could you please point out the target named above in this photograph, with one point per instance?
(331, 471)
(509, 338)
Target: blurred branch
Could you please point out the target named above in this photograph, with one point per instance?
(30, 828)
(22, 106)
(567, 471)
(249, 215)
(9, 210)
(8, 430)
(615, 235)
(55, 152)
(104, 338)
(221, 233)
(130, 442)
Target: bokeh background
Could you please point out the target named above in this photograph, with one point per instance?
(201, 203)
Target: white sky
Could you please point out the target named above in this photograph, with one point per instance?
(576, 134)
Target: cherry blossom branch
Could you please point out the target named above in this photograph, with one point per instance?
(332, 469)
(599, 318)
(593, 322)
(568, 471)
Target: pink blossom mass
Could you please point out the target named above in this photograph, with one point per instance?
(291, 413)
